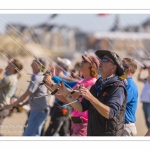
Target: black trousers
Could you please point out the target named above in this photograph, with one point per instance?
(59, 123)
(146, 110)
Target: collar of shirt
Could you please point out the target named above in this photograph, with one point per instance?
(103, 81)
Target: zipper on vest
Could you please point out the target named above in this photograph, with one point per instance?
(91, 122)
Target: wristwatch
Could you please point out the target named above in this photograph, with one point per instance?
(69, 95)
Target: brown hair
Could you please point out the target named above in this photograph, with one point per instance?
(93, 72)
(131, 64)
(17, 64)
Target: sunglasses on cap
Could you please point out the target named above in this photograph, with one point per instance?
(104, 59)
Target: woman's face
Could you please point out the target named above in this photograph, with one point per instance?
(84, 66)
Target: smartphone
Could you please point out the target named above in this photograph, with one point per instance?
(76, 119)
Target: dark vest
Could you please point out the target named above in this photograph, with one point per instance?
(101, 126)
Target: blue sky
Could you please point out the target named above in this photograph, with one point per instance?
(85, 22)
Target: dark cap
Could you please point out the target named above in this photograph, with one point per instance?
(92, 60)
(116, 59)
(41, 61)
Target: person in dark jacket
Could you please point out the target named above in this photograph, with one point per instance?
(106, 100)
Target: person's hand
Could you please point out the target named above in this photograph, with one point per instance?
(8, 107)
(148, 119)
(62, 89)
(85, 93)
(2, 72)
(48, 79)
(52, 71)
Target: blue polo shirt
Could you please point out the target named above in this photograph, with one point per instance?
(132, 100)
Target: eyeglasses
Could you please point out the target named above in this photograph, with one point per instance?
(104, 59)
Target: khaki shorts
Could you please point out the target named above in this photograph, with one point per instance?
(129, 129)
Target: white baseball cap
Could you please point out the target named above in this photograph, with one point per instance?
(65, 61)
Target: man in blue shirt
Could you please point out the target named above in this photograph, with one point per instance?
(130, 67)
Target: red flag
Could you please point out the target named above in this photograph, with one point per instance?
(103, 14)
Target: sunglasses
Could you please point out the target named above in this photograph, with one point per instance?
(104, 59)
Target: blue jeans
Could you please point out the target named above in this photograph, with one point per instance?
(35, 123)
(146, 109)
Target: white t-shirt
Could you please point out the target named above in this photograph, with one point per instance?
(38, 104)
(8, 88)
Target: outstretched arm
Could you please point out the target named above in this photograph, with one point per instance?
(21, 99)
(66, 94)
(139, 76)
(2, 71)
(51, 86)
